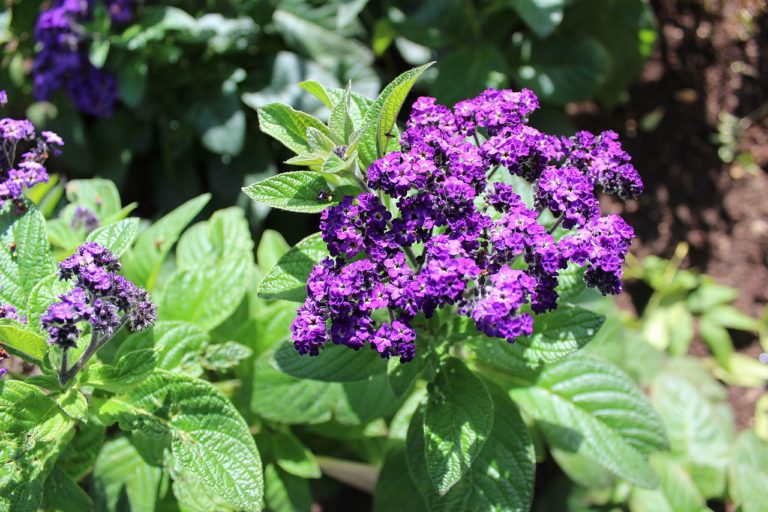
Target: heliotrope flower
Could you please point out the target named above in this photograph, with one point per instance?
(63, 62)
(22, 156)
(459, 235)
(100, 297)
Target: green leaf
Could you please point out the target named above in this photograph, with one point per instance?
(193, 496)
(700, 431)
(748, 473)
(561, 68)
(117, 237)
(225, 236)
(588, 406)
(402, 375)
(99, 195)
(556, 335)
(677, 492)
(382, 114)
(25, 256)
(336, 363)
(298, 191)
(222, 356)
(501, 478)
(288, 279)
(272, 247)
(79, 456)
(395, 489)
(469, 70)
(142, 264)
(457, 421)
(293, 457)
(289, 126)
(129, 370)
(178, 345)
(45, 293)
(21, 340)
(732, 318)
(340, 123)
(24, 407)
(542, 16)
(62, 494)
(286, 493)
(209, 437)
(123, 480)
(74, 404)
(220, 122)
(318, 141)
(331, 96)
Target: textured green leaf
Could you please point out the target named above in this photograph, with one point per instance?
(22, 340)
(298, 191)
(700, 431)
(272, 247)
(748, 473)
(288, 279)
(556, 335)
(178, 345)
(677, 492)
(193, 496)
(44, 293)
(209, 437)
(457, 421)
(542, 16)
(74, 404)
(222, 356)
(99, 195)
(142, 264)
(331, 96)
(284, 492)
(382, 114)
(25, 256)
(336, 363)
(226, 235)
(501, 478)
(588, 406)
(123, 480)
(289, 126)
(129, 370)
(562, 68)
(62, 494)
(402, 375)
(79, 456)
(118, 236)
(340, 123)
(293, 457)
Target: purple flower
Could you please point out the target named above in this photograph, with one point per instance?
(84, 217)
(434, 231)
(3, 356)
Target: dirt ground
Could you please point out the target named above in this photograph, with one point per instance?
(711, 62)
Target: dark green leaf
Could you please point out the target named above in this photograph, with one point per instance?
(336, 363)
(298, 191)
(288, 280)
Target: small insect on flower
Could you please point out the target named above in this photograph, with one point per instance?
(458, 236)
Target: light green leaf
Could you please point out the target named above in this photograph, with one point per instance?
(25, 255)
(340, 123)
(22, 340)
(748, 473)
(79, 456)
(272, 247)
(99, 195)
(74, 404)
(121, 474)
(298, 191)
(289, 126)
(288, 279)
(129, 370)
(590, 407)
(457, 421)
(331, 96)
(382, 114)
(284, 492)
(336, 363)
(193, 496)
(45, 293)
(222, 356)
(178, 345)
(543, 16)
(225, 236)
(62, 494)
(118, 236)
(142, 264)
(501, 478)
(209, 437)
(677, 492)
(556, 335)
(292, 456)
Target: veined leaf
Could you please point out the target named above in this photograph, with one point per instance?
(748, 473)
(23, 341)
(44, 293)
(588, 406)
(677, 492)
(209, 437)
(284, 492)
(178, 345)
(288, 279)
(457, 421)
(331, 96)
(336, 363)
(142, 264)
(117, 236)
(292, 456)
(193, 496)
(129, 370)
(62, 494)
(74, 404)
(272, 247)
(382, 114)
(222, 356)
(298, 191)
(122, 474)
(289, 126)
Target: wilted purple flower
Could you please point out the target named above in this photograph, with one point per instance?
(457, 238)
(100, 297)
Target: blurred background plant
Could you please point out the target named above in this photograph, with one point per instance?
(159, 96)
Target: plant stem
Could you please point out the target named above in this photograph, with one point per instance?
(556, 224)
(493, 171)
(96, 343)
(63, 371)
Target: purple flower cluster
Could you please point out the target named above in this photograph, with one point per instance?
(62, 62)
(459, 235)
(8, 311)
(101, 297)
(3, 357)
(84, 217)
(22, 156)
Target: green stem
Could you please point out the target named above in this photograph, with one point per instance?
(68, 374)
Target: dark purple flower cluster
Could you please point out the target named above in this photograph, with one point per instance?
(62, 62)
(84, 217)
(3, 357)
(459, 235)
(22, 156)
(101, 297)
